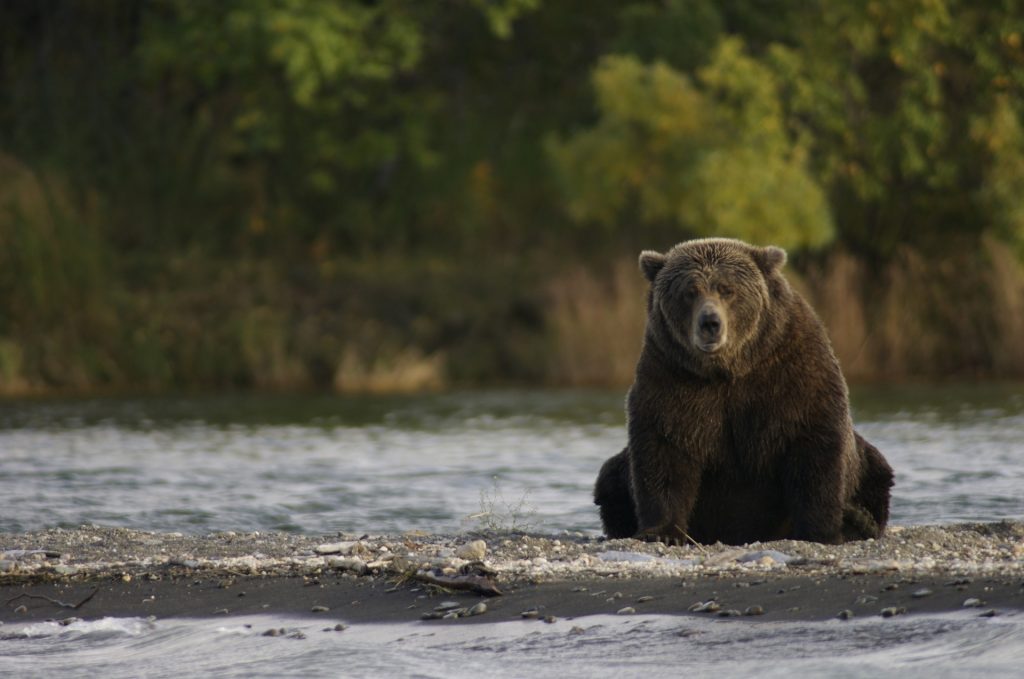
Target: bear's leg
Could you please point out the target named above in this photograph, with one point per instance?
(814, 474)
(876, 479)
(612, 494)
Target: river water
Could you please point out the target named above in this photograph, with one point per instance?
(456, 462)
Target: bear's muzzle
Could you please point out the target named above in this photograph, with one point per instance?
(709, 328)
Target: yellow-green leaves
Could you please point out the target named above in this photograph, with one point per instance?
(1003, 187)
(501, 13)
(712, 157)
(321, 45)
(762, 198)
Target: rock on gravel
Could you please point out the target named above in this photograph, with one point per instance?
(472, 551)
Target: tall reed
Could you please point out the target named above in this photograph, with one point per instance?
(959, 316)
(597, 321)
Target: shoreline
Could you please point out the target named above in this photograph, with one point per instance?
(92, 572)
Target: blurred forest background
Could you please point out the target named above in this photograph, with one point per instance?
(402, 195)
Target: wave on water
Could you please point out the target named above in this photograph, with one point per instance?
(935, 646)
(437, 463)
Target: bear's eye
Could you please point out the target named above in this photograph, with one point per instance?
(689, 292)
(724, 290)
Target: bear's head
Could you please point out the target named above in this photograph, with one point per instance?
(714, 302)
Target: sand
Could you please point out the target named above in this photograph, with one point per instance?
(92, 572)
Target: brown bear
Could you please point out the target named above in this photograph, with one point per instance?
(738, 420)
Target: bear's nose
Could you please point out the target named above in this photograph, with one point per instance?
(710, 323)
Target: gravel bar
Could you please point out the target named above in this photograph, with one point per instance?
(92, 571)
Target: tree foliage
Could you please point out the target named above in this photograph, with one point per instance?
(151, 145)
(712, 158)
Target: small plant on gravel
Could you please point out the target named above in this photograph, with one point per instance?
(498, 515)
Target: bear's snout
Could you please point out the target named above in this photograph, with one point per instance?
(709, 328)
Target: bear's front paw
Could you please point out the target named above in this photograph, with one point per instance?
(673, 536)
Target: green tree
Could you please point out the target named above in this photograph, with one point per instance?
(898, 102)
(711, 158)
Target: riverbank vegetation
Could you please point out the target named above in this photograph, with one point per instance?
(398, 196)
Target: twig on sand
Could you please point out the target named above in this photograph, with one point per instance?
(695, 543)
(53, 601)
(474, 576)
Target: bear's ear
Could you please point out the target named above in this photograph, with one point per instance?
(769, 259)
(651, 263)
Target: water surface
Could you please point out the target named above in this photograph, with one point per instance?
(439, 463)
(948, 645)
(452, 462)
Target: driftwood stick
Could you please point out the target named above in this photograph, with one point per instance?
(471, 582)
(53, 601)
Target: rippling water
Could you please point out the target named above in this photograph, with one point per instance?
(596, 646)
(437, 463)
(449, 463)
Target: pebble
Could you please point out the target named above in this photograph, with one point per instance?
(274, 632)
(922, 593)
(866, 599)
(644, 599)
(893, 610)
(628, 610)
(472, 551)
(339, 548)
(352, 563)
(753, 610)
(67, 621)
(990, 613)
(447, 606)
(973, 603)
(729, 613)
(845, 614)
(432, 615)
(576, 629)
(550, 619)
(478, 609)
(21, 609)
(705, 607)
(319, 609)
(531, 614)
(766, 557)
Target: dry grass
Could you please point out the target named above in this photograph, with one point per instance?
(834, 293)
(264, 344)
(406, 370)
(597, 323)
(1006, 283)
(961, 316)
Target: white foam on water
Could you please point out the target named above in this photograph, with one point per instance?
(426, 463)
(958, 644)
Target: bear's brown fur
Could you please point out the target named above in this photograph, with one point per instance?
(738, 420)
